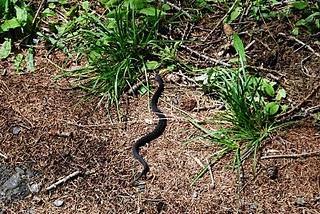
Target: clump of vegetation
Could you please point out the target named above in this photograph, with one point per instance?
(303, 14)
(309, 16)
(15, 21)
(251, 106)
(116, 46)
(16, 25)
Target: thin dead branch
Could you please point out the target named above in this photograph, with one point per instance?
(205, 57)
(4, 156)
(178, 9)
(38, 11)
(301, 43)
(220, 21)
(300, 104)
(293, 156)
(63, 180)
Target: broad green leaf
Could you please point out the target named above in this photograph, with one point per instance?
(271, 108)
(86, 6)
(30, 60)
(18, 61)
(268, 89)
(72, 11)
(166, 7)
(238, 45)
(234, 14)
(94, 56)
(48, 12)
(10, 24)
(295, 31)
(143, 89)
(150, 11)
(137, 4)
(109, 3)
(63, 1)
(22, 14)
(300, 5)
(312, 17)
(284, 108)
(52, 6)
(171, 67)
(4, 4)
(281, 94)
(5, 49)
(301, 22)
(151, 65)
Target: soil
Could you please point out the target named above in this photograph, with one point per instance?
(53, 130)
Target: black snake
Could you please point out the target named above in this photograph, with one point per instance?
(158, 130)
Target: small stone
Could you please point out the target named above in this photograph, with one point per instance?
(19, 170)
(16, 130)
(272, 172)
(64, 134)
(300, 201)
(12, 183)
(34, 188)
(4, 73)
(58, 203)
(36, 199)
(227, 29)
(29, 211)
(148, 121)
(194, 195)
(189, 104)
(252, 208)
(174, 78)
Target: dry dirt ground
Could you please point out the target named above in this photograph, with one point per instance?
(61, 132)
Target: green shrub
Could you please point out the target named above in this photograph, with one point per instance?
(116, 46)
(15, 22)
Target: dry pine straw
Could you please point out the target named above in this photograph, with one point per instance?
(104, 151)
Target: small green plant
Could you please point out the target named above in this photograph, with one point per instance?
(116, 46)
(16, 19)
(316, 119)
(251, 105)
(309, 16)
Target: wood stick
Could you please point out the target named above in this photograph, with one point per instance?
(300, 104)
(294, 156)
(63, 180)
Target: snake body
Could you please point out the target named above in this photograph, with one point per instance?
(158, 130)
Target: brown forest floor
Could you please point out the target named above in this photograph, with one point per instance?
(100, 146)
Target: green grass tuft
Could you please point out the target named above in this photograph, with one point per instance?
(249, 116)
(116, 48)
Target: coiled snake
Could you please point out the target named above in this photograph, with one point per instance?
(158, 130)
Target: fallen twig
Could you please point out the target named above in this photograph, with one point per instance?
(302, 155)
(302, 43)
(134, 88)
(177, 8)
(300, 104)
(211, 175)
(212, 60)
(275, 72)
(221, 20)
(4, 156)
(38, 11)
(203, 56)
(304, 114)
(63, 180)
(218, 106)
